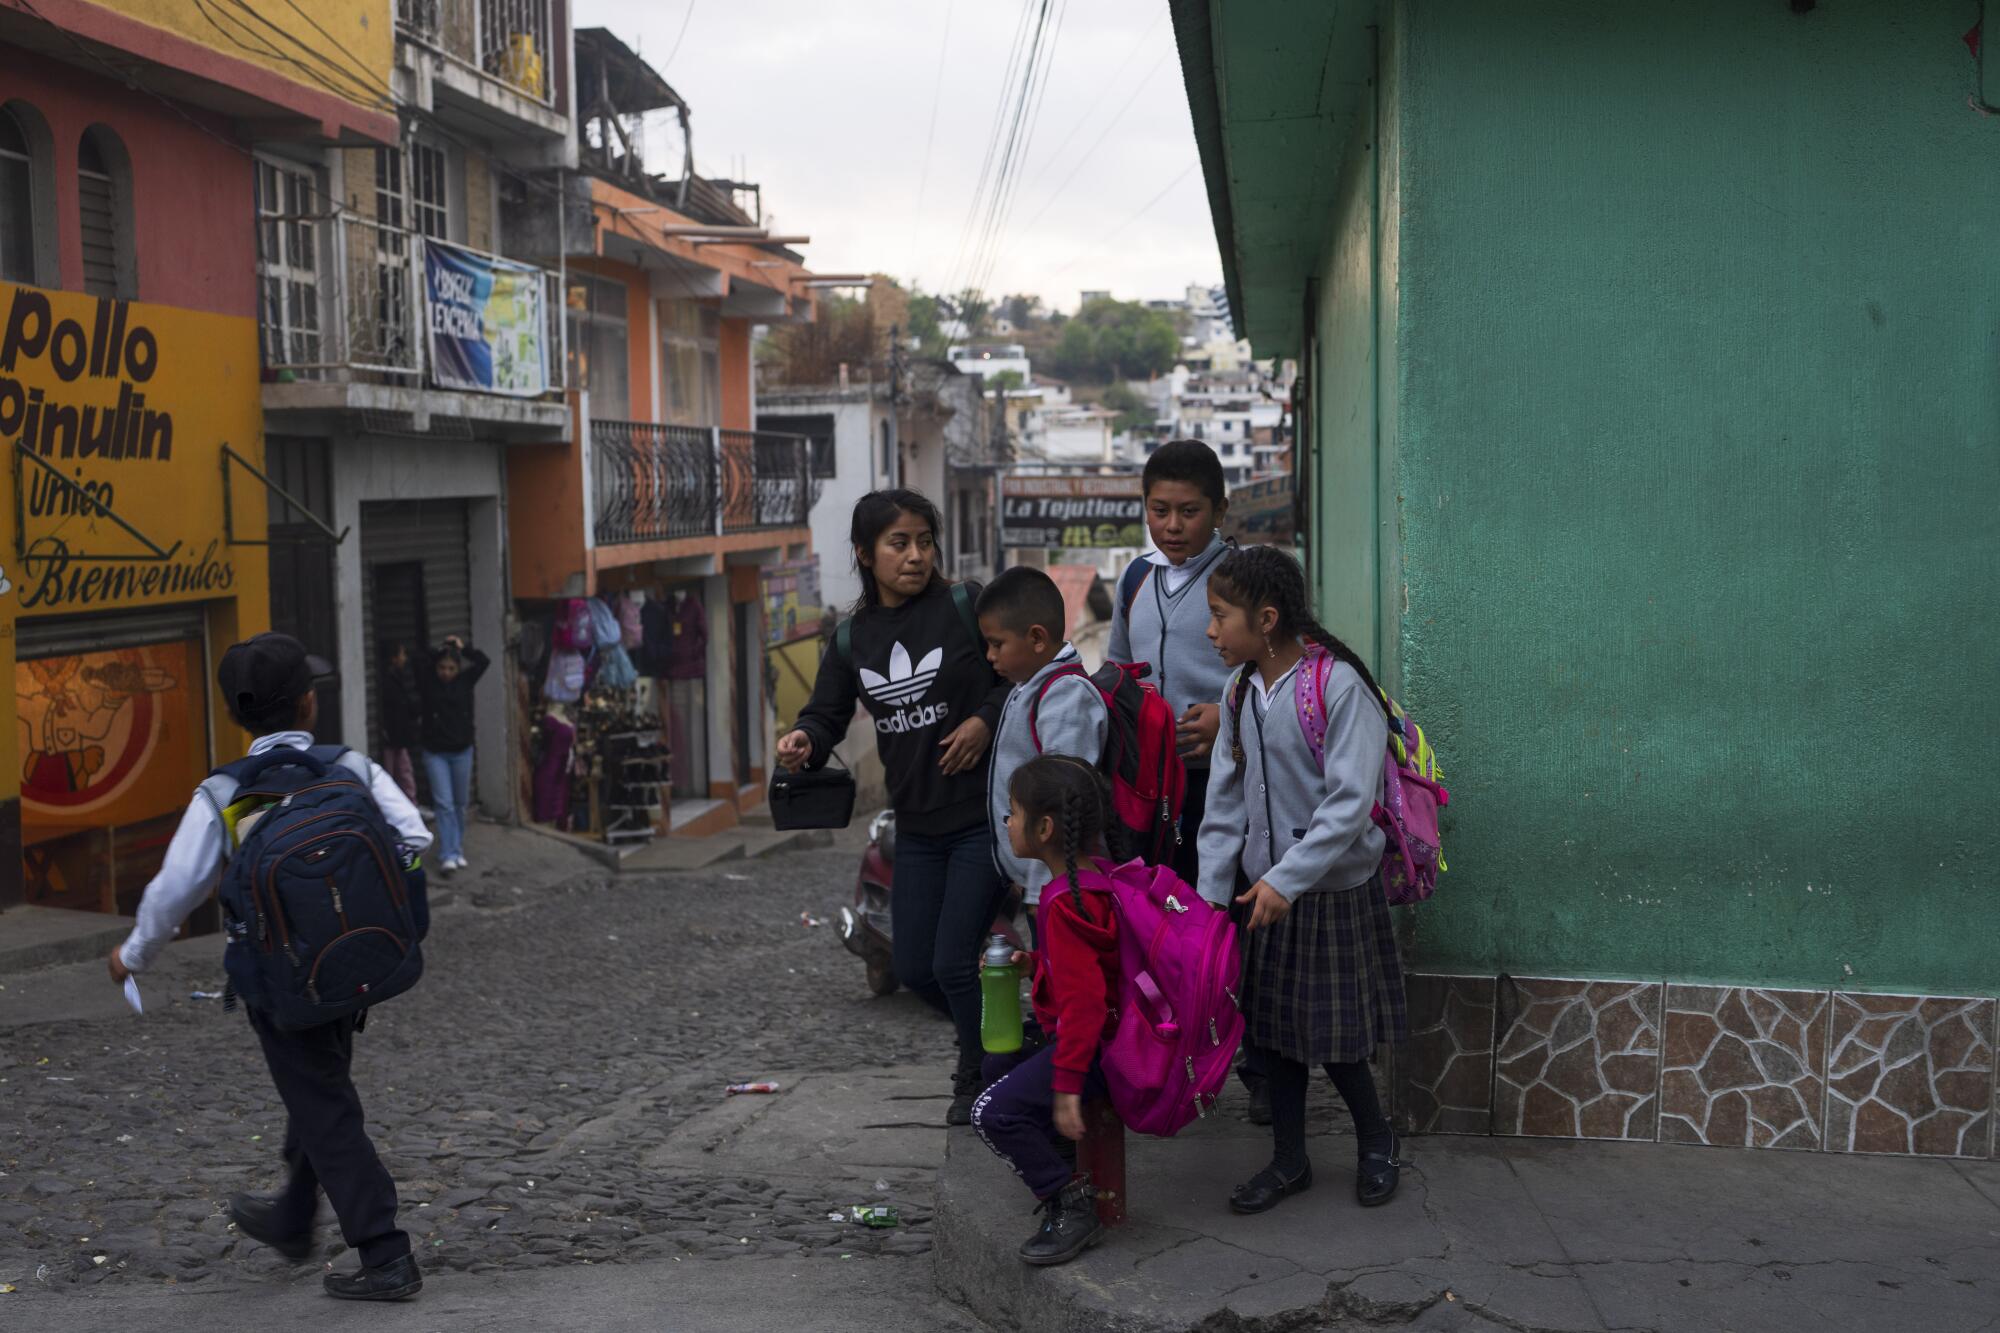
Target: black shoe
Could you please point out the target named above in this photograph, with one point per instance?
(1376, 1179)
(1260, 1103)
(1069, 1225)
(397, 1280)
(966, 1085)
(258, 1218)
(1267, 1189)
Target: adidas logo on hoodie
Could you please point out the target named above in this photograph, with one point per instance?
(905, 684)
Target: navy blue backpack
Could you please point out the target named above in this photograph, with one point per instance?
(321, 918)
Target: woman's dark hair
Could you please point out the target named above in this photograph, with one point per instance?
(874, 513)
(1190, 461)
(1072, 793)
(1254, 577)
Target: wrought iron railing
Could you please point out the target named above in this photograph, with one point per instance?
(511, 42)
(766, 480)
(656, 483)
(653, 483)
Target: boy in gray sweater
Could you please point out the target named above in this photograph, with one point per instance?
(1052, 709)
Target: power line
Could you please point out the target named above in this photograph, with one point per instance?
(967, 228)
(1119, 230)
(930, 135)
(1104, 90)
(1009, 158)
(1012, 191)
(686, 19)
(1097, 142)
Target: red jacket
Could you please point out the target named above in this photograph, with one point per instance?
(1076, 977)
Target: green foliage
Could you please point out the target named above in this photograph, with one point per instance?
(1109, 341)
(1133, 408)
(1007, 381)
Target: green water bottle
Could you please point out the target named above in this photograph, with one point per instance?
(999, 999)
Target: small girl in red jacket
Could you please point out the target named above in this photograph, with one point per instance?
(1059, 810)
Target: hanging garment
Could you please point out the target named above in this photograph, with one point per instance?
(552, 771)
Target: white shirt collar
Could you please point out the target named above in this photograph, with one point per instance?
(1159, 557)
(1264, 695)
(297, 740)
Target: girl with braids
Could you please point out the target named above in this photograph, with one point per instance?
(1322, 981)
(1059, 810)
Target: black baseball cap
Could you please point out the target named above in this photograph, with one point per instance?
(266, 675)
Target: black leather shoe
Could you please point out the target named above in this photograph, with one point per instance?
(1376, 1179)
(1260, 1103)
(966, 1085)
(1267, 1189)
(1069, 1226)
(397, 1280)
(258, 1218)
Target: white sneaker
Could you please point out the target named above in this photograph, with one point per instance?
(458, 863)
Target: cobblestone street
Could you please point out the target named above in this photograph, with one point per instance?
(526, 1096)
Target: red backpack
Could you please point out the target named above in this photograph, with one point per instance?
(1141, 758)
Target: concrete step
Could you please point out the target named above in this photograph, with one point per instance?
(49, 936)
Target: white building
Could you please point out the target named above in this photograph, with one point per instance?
(990, 359)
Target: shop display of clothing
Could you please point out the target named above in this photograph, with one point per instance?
(684, 654)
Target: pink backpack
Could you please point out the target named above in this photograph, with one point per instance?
(1177, 1021)
(631, 632)
(1413, 858)
(572, 631)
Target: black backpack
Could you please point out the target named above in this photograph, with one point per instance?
(321, 920)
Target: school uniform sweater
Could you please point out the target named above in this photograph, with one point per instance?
(920, 672)
(1076, 976)
(1071, 719)
(1169, 629)
(1300, 826)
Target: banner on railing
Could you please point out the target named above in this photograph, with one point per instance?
(1072, 510)
(488, 322)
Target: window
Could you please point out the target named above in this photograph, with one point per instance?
(102, 213)
(17, 201)
(288, 264)
(691, 363)
(600, 356)
(394, 331)
(430, 191)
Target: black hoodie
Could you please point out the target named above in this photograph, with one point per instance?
(920, 671)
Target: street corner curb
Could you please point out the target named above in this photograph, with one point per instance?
(1142, 1279)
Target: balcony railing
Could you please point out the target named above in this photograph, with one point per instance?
(341, 295)
(511, 42)
(657, 483)
(654, 483)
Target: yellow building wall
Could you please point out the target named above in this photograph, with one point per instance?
(359, 35)
(134, 404)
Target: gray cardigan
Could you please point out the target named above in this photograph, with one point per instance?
(1284, 820)
(1171, 632)
(1071, 720)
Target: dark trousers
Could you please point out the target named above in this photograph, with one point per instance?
(1194, 804)
(326, 1142)
(945, 893)
(1015, 1117)
(1250, 1066)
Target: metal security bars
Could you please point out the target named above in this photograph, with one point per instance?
(766, 480)
(508, 41)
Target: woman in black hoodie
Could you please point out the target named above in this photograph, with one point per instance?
(918, 664)
(402, 709)
(447, 734)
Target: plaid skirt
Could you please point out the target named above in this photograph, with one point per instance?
(1326, 983)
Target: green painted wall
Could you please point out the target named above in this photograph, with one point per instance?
(1694, 406)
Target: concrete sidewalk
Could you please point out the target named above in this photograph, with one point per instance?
(1494, 1234)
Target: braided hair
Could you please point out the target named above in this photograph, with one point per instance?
(1254, 577)
(1075, 795)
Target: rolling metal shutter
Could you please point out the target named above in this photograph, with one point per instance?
(434, 535)
(65, 636)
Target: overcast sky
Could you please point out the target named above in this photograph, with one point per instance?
(828, 106)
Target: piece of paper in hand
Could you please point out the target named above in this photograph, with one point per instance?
(132, 996)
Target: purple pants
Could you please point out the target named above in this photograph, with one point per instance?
(1015, 1116)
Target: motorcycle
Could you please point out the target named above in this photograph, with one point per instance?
(865, 927)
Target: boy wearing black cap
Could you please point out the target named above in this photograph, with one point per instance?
(267, 684)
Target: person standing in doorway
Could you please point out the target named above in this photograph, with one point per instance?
(447, 736)
(911, 652)
(402, 718)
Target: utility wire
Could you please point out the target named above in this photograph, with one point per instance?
(930, 135)
(967, 228)
(1012, 192)
(1120, 229)
(1057, 193)
(1008, 157)
(1103, 91)
(686, 19)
